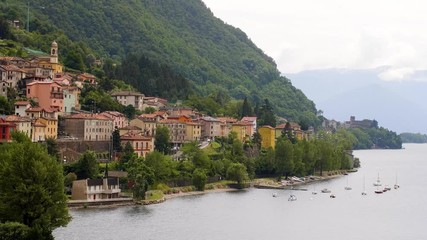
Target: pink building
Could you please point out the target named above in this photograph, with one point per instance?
(47, 94)
(119, 119)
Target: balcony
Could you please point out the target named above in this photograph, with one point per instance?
(56, 95)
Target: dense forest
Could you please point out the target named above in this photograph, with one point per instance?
(413, 137)
(183, 35)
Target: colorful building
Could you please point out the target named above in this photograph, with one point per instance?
(268, 136)
(6, 129)
(142, 145)
(47, 94)
(88, 127)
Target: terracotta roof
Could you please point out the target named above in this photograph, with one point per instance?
(12, 68)
(293, 126)
(113, 114)
(242, 123)
(16, 118)
(267, 126)
(127, 93)
(131, 136)
(88, 116)
(39, 109)
(130, 128)
(22, 103)
(249, 119)
(227, 119)
(43, 82)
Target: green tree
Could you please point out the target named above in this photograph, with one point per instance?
(149, 110)
(127, 155)
(284, 158)
(53, 148)
(129, 111)
(247, 110)
(161, 141)
(162, 165)
(141, 176)
(117, 147)
(237, 172)
(87, 166)
(14, 231)
(32, 189)
(199, 179)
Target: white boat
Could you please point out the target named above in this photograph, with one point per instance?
(292, 198)
(387, 188)
(396, 186)
(332, 196)
(314, 190)
(325, 190)
(274, 194)
(364, 193)
(347, 187)
(378, 182)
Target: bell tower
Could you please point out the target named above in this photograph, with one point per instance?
(54, 52)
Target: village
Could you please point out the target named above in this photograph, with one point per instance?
(48, 108)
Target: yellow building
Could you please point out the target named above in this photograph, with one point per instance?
(38, 131)
(194, 131)
(51, 130)
(242, 129)
(50, 61)
(268, 136)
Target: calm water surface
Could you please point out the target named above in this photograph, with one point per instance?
(255, 214)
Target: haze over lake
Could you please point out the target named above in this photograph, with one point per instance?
(255, 214)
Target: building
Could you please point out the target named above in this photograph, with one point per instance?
(88, 127)
(38, 130)
(365, 123)
(154, 102)
(11, 74)
(130, 130)
(193, 131)
(6, 129)
(21, 107)
(177, 131)
(226, 125)
(95, 189)
(71, 99)
(126, 98)
(243, 130)
(296, 130)
(51, 127)
(251, 120)
(86, 78)
(211, 127)
(47, 94)
(119, 119)
(23, 124)
(142, 145)
(50, 61)
(268, 136)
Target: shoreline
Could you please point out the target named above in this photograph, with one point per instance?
(260, 183)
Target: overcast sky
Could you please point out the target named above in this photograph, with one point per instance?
(318, 34)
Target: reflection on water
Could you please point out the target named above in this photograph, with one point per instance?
(255, 214)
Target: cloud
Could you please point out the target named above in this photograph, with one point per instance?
(397, 74)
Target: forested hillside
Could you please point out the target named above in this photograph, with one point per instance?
(183, 34)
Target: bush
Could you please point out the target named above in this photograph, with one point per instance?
(164, 188)
(199, 179)
(14, 230)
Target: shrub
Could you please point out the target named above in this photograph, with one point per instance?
(199, 179)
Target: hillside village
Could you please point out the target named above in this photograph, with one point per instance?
(48, 107)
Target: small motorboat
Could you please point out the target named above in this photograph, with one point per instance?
(274, 194)
(325, 190)
(396, 186)
(364, 193)
(332, 196)
(292, 198)
(378, 191)
(387, 188)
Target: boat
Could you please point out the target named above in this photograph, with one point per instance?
(364, 193)
(314, 190)
(387, 188)
(378, 182)
(325, 190)
(396, 186)
(378, 191)
(347, 187)
(274, 194)
(332, 196)
(292, 198)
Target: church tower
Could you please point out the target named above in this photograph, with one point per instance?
(54, 52)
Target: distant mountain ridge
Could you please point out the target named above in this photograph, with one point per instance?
(397, 105)
(184, 34)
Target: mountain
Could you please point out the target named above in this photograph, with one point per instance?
(183, 34)
(341, 93)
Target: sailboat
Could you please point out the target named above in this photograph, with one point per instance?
(314, 190)
(378, 182)
(364, 193)
(347, 187)
(396, 186)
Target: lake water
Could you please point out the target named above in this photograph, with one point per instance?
(255, 214)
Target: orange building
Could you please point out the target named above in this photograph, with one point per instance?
(47, 94)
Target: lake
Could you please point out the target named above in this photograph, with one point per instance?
(255, 214)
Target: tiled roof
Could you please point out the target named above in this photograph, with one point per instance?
(88, 116)
(22, 103)
(131, 136)
(127, 93)
(130, 128)
(242, 123)
(249, 119)
(16, 118)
